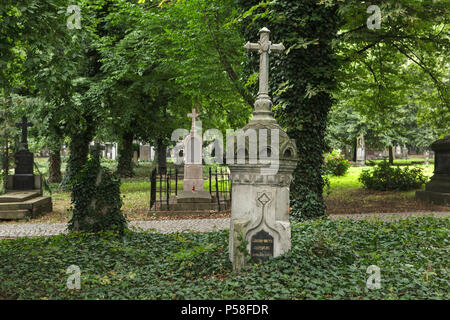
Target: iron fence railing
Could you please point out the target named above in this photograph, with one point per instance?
(166, 185)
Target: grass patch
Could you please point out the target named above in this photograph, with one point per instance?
(328, 260)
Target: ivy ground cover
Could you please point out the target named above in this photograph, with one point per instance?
(329, 260)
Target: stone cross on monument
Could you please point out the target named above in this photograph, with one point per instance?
(193, 115)
(264, 47)
(24, 126)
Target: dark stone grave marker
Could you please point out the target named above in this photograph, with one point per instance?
(23, 178)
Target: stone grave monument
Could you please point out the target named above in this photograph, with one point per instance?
(360, 151)
(193, 183)
(23, 178)
(145, 152)
(23, 197)
(405, 152)
(260, 196)
(398, 152)
(427, 157)
(193, 168)
(438, 189)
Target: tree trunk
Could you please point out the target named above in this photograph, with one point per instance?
(79, 151)
(391, 155)
(355, 147)
(162, 159)
(125, 161)
(5, 164)
(54, 169)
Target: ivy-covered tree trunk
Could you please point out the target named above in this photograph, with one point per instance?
(311, 73)
(125, 161)
(96, 199)
(161, 155)
(54, 169)
(79, 151)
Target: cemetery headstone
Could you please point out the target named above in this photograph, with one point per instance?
(144, 152)
(427, 157)
(360, 151)
(193, 183)
(193, 168)
(260, 199)
(405, 152)
(23, 197)
(24, 159)
(398, 152)
(437, 190)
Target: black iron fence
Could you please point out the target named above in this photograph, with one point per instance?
(166, 185)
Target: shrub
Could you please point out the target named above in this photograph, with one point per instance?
(336, 164)
(385, 177)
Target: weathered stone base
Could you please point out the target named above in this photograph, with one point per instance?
(433, 197)
(260, 226)
(193, 177)
(192, 201)
(189, 196)
(23, 204)
(240, 232)
(190, 207)
(23, 182)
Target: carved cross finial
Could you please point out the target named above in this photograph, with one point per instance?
(193, 115)
(24, 126)
(264, 48)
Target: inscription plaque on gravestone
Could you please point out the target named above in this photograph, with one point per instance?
(24, 162)
(261, 246)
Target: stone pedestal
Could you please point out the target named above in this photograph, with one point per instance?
(260, 212)
(193, 177)
(23, 178)
(438, 189)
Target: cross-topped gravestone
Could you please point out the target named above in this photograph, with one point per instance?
(193, 171)
(264, 47)
(193, 193)
(24, 126)
(23, 178)
(260, 201)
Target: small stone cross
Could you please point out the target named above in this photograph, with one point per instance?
(193, 115)
(24, 126)
(264, 48)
